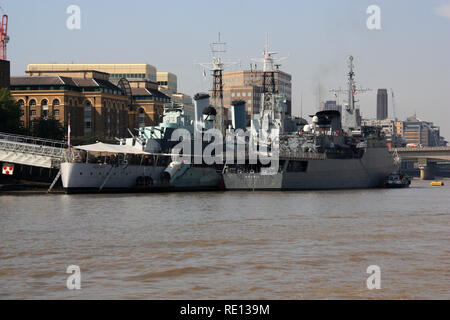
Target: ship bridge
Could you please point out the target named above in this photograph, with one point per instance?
(31, 151)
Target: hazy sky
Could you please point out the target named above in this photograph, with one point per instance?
(410, 54)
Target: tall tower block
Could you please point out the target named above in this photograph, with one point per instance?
(382, 104)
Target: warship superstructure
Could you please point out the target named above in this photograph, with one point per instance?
(277, 152)
(180, 174)
(333, 152)
(141, 163)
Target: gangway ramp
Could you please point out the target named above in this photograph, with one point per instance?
(31, 151)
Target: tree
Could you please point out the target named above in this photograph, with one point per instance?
(10, 113)
(47, 128)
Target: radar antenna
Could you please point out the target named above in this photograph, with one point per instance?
(349, 115)
(216, 67)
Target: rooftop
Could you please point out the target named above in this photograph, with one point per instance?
(61, 81)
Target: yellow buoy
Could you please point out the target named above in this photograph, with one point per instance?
(437, 183)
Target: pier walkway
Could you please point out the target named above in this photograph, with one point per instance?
(31, 151)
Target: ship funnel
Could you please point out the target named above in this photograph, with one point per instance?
(329, 119)
(238, 116)
(209, 116)
(201, 101)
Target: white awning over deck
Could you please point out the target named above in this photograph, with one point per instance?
(110, 148)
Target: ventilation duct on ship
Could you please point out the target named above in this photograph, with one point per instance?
(329, 119)
(238, 116)
(201, 101)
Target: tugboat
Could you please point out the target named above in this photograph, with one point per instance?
(397, 180)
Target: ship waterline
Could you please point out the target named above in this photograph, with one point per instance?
(367, 172)
(97, 176)
(100, 177)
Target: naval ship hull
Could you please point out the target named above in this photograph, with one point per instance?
(198, 179)
(90, 177)
(369, 171)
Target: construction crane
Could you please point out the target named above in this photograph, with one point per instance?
(4, 38)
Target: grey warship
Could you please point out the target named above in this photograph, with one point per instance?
(333, 152)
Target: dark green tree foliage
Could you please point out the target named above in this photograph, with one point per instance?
(9, 113)
(47, 128)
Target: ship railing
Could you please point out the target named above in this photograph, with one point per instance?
(32, 140)
(34, 149)
(302, 155)
(72, 155)
(296, 156)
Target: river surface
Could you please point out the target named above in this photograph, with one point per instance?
(228, 245)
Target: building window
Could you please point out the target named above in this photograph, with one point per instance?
(32, 112)
(141, 117)
(118, 121)
(87, 118)
(55, 102)
(56, 112)
(108, 120)
(21, 102)
(44, 108)
(249, 94)
(32, 103)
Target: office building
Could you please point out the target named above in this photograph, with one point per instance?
(419, 132)
(332, 105)
(247, 85)
(167, 82)
(130, 71)
(382, 104)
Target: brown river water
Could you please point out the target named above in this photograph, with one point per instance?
(228, 245)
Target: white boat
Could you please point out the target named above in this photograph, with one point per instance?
(108, 167)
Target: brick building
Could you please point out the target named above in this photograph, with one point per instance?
(247, 85)
(97, 108)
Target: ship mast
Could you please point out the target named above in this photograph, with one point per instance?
(270, 66)
(350, 116)
(216, 67)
